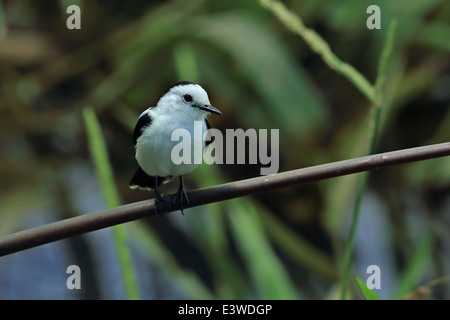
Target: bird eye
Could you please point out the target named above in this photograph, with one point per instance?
(187, 98)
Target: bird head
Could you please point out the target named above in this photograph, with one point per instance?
(187, 99)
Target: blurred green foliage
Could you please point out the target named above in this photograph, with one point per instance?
(286, 244)
(366, 292)
(99, 154)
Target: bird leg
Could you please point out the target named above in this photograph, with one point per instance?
(160, 202)
(181, 193)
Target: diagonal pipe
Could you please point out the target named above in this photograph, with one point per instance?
(90, 222)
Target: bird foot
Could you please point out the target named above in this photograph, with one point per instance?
(181, 195)
(161, 204)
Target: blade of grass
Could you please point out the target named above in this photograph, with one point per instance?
(268, 274)
(186, 63)
(286, 240)
(209, 229)
(244, 40)
(297, 247)
(348, 253)
(99, 154)
(415, 266)
(340, 193)
(385, 55)
(294, 23)
(366, 292)
(151, 248)
(373, 93)
(2, 23)
(435, 35)
(375, 123)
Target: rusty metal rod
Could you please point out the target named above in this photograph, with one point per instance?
(89, 222)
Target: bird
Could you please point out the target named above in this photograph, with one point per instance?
(182, 104)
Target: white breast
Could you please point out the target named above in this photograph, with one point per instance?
(154, 147)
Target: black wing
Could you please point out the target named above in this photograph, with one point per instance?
(144, 121)
(144, 181)
(140, 178)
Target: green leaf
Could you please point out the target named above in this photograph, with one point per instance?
(416, 266)
(435, 35)
(266, 270)
(2, 23)
(294, 23)
(366, 292)
(298, 248)
(362, 182)
(99, 154)
(288, 96)
(150, 246)
(186, 63)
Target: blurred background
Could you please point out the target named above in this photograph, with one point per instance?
(284, 244)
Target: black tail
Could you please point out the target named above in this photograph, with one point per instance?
(144, 181)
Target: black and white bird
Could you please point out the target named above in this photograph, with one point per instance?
(184, 103)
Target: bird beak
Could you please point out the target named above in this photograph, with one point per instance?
(210, 108)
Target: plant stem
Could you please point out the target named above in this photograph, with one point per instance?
(375, 116)
(294, 23)
(99, 154)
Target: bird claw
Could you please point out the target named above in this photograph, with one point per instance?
(161, 204)
(181, 193)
